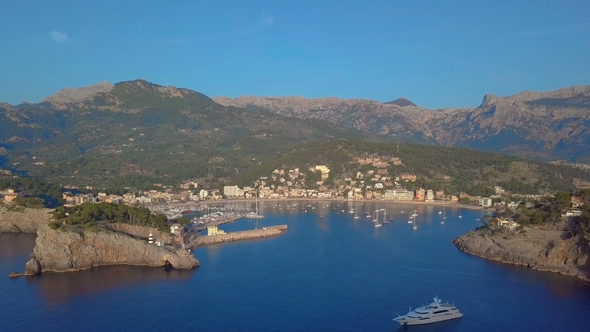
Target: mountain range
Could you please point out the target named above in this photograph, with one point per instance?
(137, 132)
(545, 126)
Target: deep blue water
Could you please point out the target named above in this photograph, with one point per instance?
(328, 274)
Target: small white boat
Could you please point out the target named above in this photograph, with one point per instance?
(432, 313)
(385, 220)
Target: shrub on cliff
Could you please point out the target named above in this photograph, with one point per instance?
(30, 202)
(87, 214)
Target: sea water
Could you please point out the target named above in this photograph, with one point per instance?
(329, 272)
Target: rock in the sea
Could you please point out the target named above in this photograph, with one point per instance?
(63, 251)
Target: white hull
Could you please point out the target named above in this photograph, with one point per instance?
(417, 321)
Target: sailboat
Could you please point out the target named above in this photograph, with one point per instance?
(410, 219)
(444, 216)
(255, 215)
(356, 216)
(376, 216)
(415, 214)
(385, 221)
(415, 226)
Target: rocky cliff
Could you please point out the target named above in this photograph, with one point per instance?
(75, 250)
(23, 220)
(538, 250)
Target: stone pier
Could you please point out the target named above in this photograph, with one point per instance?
(238, 236)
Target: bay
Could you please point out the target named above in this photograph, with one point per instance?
(328, 272)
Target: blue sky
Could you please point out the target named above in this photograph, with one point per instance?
(436, 53)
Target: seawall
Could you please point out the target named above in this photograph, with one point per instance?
(239, 236)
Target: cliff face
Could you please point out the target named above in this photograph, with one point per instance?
(569, 257)
(63, 251)
(27, 221)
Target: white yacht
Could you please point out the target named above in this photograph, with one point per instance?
(432, 313)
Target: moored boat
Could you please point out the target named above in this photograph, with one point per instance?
(432, 313)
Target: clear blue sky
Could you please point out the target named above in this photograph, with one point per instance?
(436, 53)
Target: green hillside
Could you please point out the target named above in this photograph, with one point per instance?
(453, 170)
(142, 133)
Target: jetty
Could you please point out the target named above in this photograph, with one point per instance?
(264, 232)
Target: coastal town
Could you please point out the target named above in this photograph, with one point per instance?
(375, 180)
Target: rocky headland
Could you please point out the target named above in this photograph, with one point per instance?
(538, 249)
(22, 220)
(76, 249)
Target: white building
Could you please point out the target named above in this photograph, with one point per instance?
(485, 202)
(429, 195)
(203, 193)
(233, 191)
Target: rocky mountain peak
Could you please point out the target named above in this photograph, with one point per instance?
(402, 101)
(490, 99)
(569, 92)
(73, 95)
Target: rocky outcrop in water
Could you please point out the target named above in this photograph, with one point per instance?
(22, 220)
(537, 250)
(75, 250)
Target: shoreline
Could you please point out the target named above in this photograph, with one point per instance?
(343, 200)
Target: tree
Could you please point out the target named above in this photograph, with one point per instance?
(563, 200)
(183, 220)
(508, 213)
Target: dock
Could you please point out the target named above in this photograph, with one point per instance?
(217, 222)
(264, 232)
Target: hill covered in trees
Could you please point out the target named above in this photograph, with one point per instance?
(454, 170)
(140, 133)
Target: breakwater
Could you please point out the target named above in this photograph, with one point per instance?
(264, 232)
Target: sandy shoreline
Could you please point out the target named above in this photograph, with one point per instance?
(262, 201)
